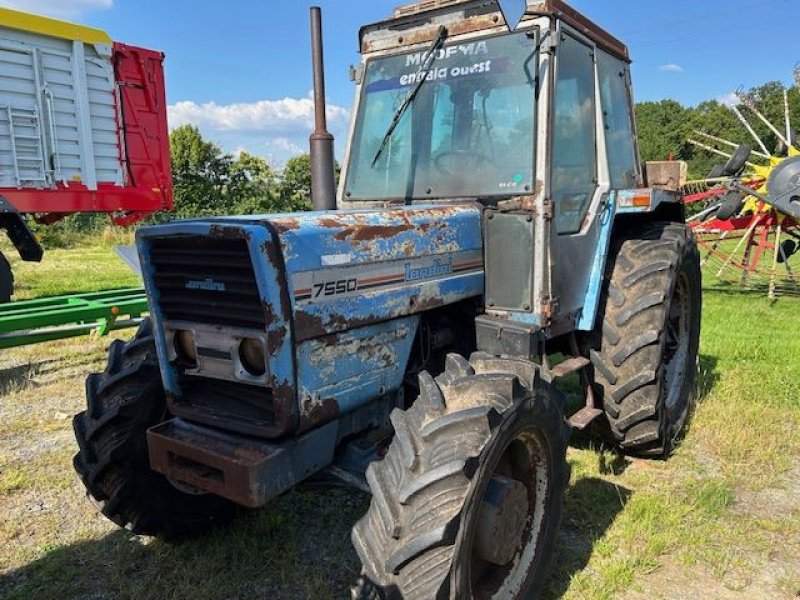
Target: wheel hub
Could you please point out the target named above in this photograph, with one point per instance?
(502, 520)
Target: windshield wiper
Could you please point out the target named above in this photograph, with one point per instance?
(409, 100)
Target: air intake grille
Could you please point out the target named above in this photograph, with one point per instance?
(204, 280)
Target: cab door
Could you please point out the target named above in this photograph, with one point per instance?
(579, 178)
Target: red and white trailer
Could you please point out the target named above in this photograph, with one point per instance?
(83, 129)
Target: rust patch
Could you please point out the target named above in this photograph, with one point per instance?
(367, 233)
(308, 326)
(314, 414)
(428, 304)
(229, 233)
(275, 339)
(283, 399)
(406, 38)
(284, 225)
(330, 223)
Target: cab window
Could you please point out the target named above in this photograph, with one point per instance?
(574, 169)
(618, 121)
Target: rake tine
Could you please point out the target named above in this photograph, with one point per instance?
(750, 130)
(725, 142)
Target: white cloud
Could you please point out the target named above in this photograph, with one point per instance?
(283, 117)
(278, 128)
(671, 68)
(728, 99)
(62, 9)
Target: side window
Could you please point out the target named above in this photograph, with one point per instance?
(574, 168)
(616, 101)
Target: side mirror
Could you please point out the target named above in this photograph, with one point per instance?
(738, 161)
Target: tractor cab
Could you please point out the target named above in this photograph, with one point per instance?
(533, 120)
(455, 103)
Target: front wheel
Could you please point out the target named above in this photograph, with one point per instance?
(646, 343)
(467, 502)
(113, 461)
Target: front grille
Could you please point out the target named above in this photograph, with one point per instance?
(205, 280)
(231, 406)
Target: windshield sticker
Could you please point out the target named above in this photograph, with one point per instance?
(452, 62)
(493, 66)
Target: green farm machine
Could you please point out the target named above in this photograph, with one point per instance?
(494, 232)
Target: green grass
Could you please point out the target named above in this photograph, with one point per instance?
(721, 517)
(90, 266)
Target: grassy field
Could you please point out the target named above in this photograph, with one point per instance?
(720, 520)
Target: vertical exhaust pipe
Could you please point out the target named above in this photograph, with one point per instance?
(323, 186)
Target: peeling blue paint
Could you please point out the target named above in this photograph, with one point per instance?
(346, 349)
(588, 316)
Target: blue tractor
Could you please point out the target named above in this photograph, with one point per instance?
(495, 233)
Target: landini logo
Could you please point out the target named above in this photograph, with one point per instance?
(437, 269)
(209, 285)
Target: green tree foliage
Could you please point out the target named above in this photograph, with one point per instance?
(665, 126)
(662, 129)
(295, 188)
(200, 173)
(209, 182)
(253, 187)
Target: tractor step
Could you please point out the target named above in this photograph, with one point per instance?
(584, 417)
(246, 470)
(570, 366)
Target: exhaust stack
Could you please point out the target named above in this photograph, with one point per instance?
(323, 186)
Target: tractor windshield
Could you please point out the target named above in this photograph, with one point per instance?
(467, 133)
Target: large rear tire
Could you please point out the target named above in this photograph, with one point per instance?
(467, 502)
(646, 344)
(6, 280)
(113, 463)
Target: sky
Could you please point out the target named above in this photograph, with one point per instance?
(240, 70)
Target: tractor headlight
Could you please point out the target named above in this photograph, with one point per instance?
(253, 357)
(186, 347)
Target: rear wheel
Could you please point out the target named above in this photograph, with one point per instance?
(645, 348)
(113, 461)
(467, 502)
(6, 280)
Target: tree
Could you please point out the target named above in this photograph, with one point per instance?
(253, 186)
(295, 187)
(200, 173)
(662, 129)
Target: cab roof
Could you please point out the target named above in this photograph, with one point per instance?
(419, 22)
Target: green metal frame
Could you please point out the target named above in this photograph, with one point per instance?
(48, 319)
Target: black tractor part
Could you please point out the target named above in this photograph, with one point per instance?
(646, 343)
(788, 249)
(732, 204)
(738, 161)
(6, 280)
(123, 403)
(467, 502)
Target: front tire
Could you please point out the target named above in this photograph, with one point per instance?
(6, 280)
(467, 502)
(646, 344)
(113, 461)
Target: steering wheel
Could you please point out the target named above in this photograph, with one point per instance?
(472, 160)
